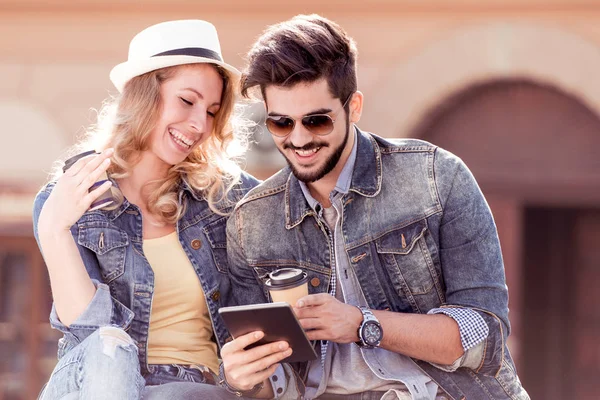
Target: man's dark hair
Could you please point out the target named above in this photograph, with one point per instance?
(303, 49)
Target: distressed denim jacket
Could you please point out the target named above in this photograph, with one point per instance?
(419, 235)
(110, 244)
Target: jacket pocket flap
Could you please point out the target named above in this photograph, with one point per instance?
(101, 239)
(401, 240)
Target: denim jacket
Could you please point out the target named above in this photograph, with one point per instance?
(110, 244)
(419, 235)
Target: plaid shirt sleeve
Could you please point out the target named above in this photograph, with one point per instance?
(471, 325)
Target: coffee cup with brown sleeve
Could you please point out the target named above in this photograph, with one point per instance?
(287, 284)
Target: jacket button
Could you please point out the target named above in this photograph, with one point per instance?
(315, 282)
(196, 244)
(216, 295)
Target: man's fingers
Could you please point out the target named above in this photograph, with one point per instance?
(313, 300)
(247, 382)
(310, 323)
(318, 334)
(246, 368)
(261, 368)
(266, 350)
(264, 363)
(241, 342)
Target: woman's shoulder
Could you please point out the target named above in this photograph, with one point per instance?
(243, 184)
(248, 181)
(41, 197)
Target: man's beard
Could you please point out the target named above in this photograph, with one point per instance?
(330, 163)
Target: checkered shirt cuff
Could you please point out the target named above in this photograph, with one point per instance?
(471, 325)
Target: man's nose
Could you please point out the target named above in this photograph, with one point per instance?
(300, 136)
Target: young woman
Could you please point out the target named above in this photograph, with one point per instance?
(137, 284)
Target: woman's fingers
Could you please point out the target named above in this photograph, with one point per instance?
(78, 165)
(94, 175)
(97, 192)
(93, 169)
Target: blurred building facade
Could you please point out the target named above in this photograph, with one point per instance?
(511, 86)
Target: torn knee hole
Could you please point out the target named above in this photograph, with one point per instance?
(113, 337)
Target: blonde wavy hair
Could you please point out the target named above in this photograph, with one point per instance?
(125, 123)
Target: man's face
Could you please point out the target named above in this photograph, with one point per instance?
(311, 157)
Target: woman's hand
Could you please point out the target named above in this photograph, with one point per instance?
(70, 197)
(244, 369)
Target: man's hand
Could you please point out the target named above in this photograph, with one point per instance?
(323, 317)
(244, 369)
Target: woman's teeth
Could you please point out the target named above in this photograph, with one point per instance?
(180, 139)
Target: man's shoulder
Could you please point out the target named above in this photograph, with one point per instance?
(273, 186)
(394, 151)
(403, 145)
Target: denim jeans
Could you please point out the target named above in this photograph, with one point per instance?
(356, 396)
(105, 366)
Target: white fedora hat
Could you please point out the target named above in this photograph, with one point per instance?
(168, 44)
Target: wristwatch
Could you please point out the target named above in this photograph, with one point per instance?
(370, 332)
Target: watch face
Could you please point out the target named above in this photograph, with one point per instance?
(371, 333)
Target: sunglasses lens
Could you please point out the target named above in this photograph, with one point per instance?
(318, 124)
(280, 126)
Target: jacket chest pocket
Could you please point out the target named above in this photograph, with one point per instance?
(405, 255)
(217, 238)
(110, 246)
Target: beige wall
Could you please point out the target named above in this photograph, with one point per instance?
(56, 57)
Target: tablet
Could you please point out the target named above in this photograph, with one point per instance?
(276, 320)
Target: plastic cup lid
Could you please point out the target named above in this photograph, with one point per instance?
(284, 277)
(69, 162)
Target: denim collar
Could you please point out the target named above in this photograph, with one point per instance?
(366, 180)
(184, 186)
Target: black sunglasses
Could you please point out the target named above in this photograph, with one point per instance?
(317, 124)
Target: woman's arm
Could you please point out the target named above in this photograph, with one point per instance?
(54, 214)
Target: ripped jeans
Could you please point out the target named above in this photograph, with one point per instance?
(105, 366)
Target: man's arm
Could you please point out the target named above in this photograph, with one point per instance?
(471, 257)
(243, 369)
(432, 338)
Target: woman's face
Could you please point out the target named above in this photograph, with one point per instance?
(190, 100)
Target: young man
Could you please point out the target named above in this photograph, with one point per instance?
(407, 291)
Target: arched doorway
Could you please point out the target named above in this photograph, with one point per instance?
(534, 150)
